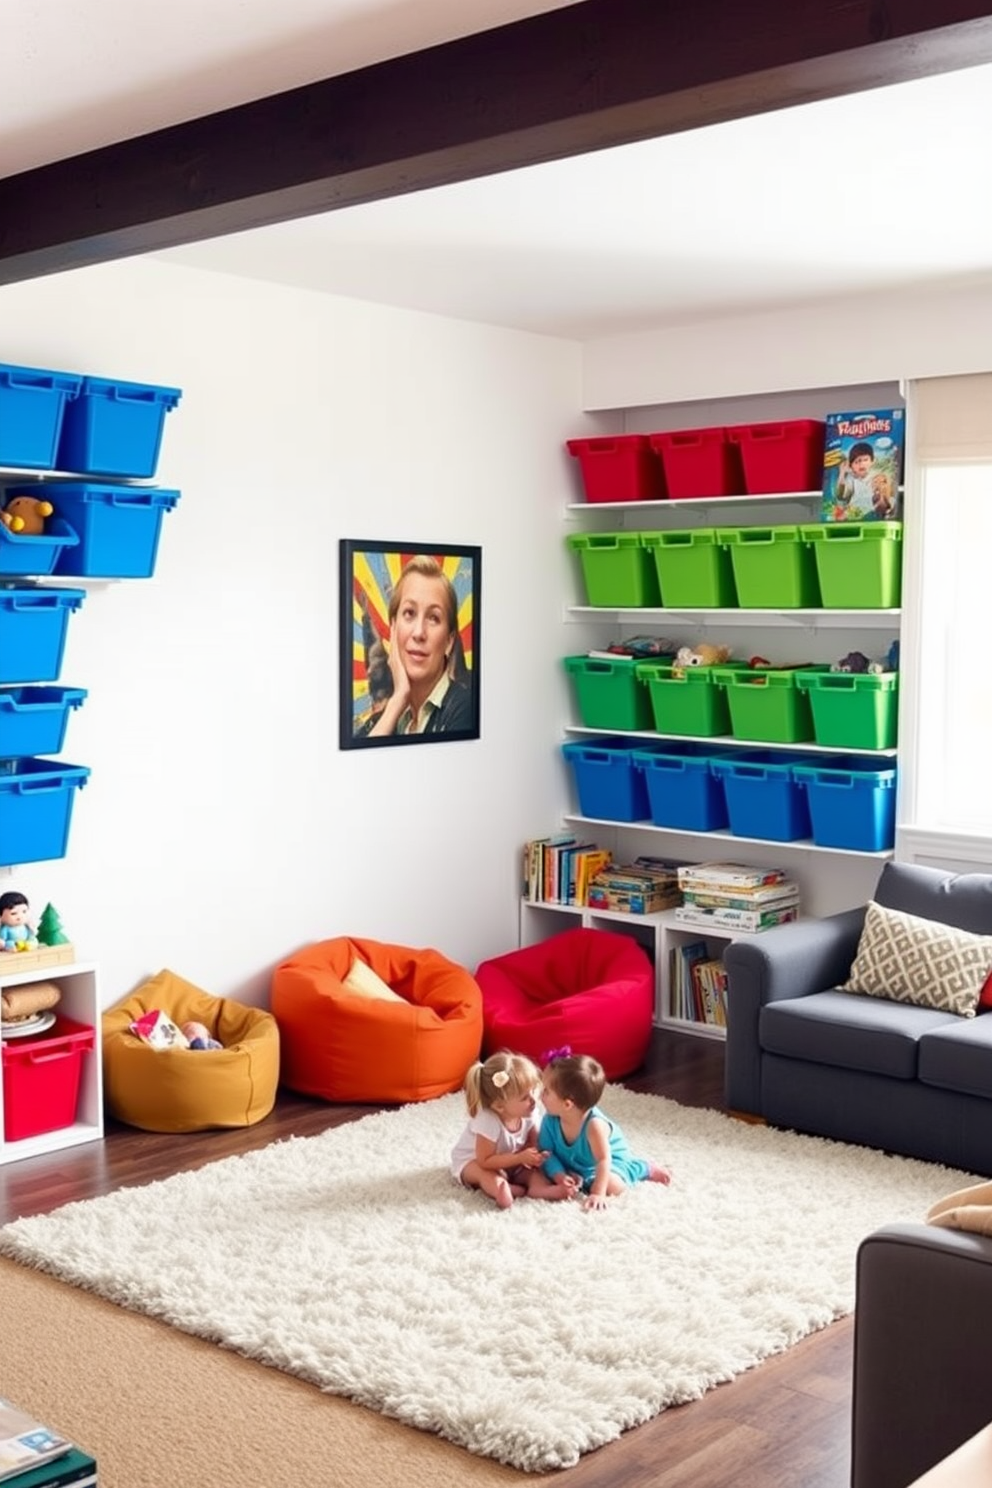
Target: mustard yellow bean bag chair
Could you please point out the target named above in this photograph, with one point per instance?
(363, 1021)
(184, 1090)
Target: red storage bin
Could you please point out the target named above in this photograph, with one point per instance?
(619, 467)
(41, 1075)
(699, 462)
(781, 457)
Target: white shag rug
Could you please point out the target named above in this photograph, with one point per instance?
(530, 1335)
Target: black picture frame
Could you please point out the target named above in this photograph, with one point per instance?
(442, 578)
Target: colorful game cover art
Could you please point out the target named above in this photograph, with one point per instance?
(862, 466)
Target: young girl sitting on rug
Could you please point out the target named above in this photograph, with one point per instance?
(586, 1151)
(498, 1150)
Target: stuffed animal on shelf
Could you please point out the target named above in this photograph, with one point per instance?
(26, 514)
(701, 655)
(857, 661)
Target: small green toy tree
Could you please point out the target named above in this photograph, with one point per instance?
(50, 931)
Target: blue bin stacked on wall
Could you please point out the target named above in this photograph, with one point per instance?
(104, 528)
(111, 431)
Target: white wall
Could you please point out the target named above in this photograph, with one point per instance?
(222, 828)
(859, 339)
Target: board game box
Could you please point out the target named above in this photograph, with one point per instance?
(862, 466)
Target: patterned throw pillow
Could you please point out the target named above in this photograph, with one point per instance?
(910, 959)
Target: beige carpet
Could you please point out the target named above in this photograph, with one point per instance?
(159, 1409)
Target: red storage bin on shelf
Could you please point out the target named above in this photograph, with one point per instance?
(699, 462)
(781, 456)
(41, 1075)
(619, 467)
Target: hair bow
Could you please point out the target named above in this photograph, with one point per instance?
(550, 1055)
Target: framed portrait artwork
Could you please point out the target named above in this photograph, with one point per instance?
(409, 642)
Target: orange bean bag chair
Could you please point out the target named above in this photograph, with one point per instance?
(363, 1021)
(590, 989)
(185, 1090)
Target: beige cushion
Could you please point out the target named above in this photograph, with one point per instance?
(364, 982)
(967, 1209)
(910, 959)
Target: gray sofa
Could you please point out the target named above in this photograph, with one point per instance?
(922, 1324)
(906, 1079)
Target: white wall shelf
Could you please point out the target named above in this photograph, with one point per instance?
(730, 741)
(818, 619)
(80, 1002)
(723, 840)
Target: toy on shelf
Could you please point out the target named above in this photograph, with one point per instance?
(48, 945)
(26, 515)
(16, 932)
(857, 661)
(702, 654)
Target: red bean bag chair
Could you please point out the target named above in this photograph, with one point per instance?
(363, 1021)
(590, 989)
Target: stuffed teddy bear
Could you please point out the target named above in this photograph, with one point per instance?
(701, 655)
(26, 514)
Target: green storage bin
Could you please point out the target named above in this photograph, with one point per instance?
(617, 570)
(694, 569)
(859, 564)
(767, 705)
(774, 567)
(608, 692)
(852, 710)
(693, 703)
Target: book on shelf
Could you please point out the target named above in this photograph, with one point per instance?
(768, 896)
(737, 919)
(727, 876)
(26, 1442)
(637, 648)
(74, 1469)
(682, 992)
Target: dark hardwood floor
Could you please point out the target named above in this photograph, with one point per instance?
(784, 1424)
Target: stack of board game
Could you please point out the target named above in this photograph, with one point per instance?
(735, 896)
(32, 1455)
(646, 886)
(862, 466)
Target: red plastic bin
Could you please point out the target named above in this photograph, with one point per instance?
(699, 462)
(781, 456)
(619, 467)
(41, 1077)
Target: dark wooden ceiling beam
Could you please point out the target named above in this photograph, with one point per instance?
(591, 75)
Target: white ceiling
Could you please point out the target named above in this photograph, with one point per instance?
(850, 196)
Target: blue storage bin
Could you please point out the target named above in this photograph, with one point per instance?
(115, 428)
(33, 719)
(683, 790)
(36, 799)
(852, 803)
(764, 796)
(33, 627)
(118, 527)
(32, 411)
(22, 554)
(608, 784)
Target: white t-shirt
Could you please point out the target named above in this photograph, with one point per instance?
(487, 1124)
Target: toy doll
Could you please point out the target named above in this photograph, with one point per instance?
(15, 932)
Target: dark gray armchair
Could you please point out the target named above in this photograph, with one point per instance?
(922, 1325)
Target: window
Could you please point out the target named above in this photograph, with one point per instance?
(953, 776)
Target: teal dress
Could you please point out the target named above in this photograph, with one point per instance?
(577, 1157)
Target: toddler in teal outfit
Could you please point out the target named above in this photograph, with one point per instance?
(586, 1151)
